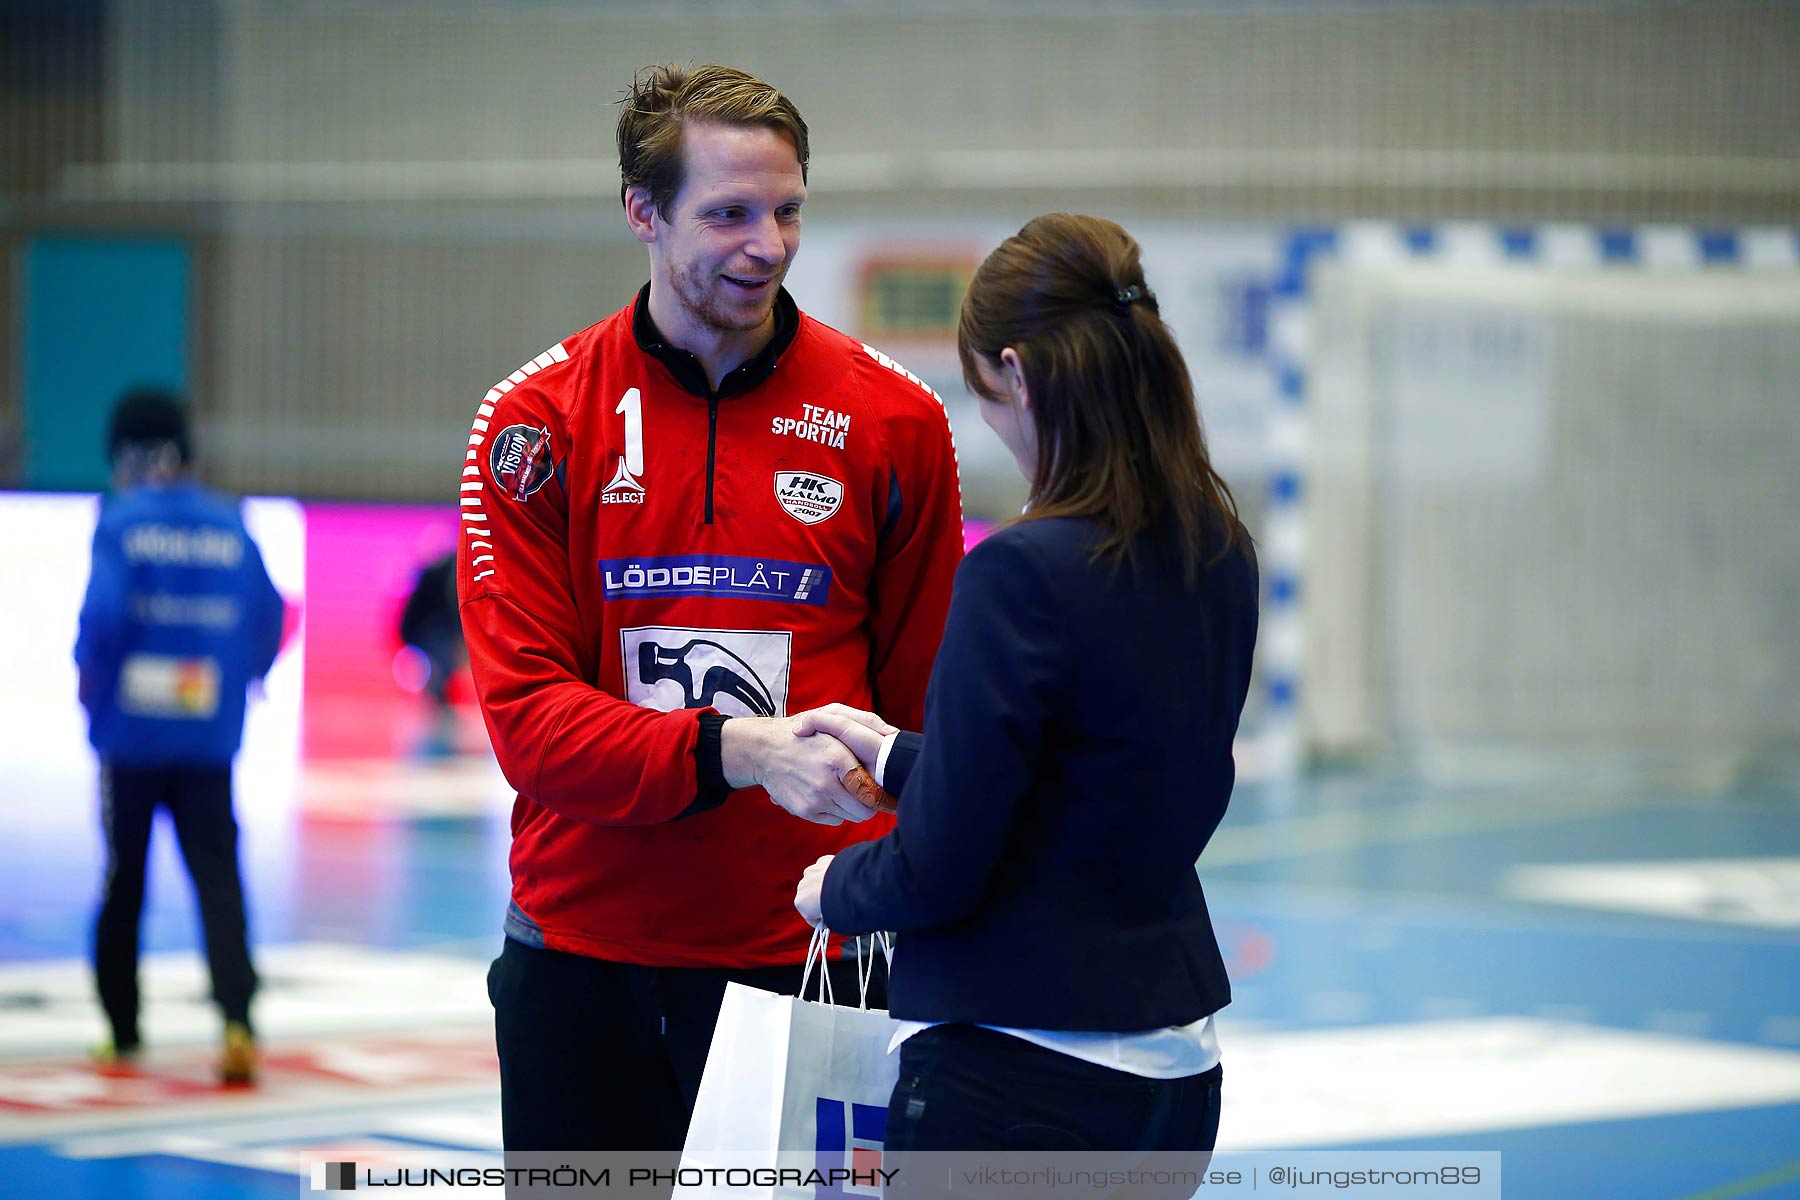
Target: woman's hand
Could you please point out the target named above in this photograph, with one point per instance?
(801, 771)
(810, 894)
(862, 732)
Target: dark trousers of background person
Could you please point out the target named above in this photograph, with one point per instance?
(199, 801)
(966, 1088)
(598, 1055)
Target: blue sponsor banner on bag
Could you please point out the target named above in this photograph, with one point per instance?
(722, 575)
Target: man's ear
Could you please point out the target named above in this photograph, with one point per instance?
(641, 214)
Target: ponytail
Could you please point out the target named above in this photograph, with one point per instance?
(1118, 434)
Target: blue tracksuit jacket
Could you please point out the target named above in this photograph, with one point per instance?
(179, 618)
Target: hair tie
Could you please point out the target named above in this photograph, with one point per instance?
(1125, 297)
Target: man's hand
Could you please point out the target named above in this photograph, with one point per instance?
(802, 774)
(861, 732)
(809, 896)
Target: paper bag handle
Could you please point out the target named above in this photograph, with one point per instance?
(819, 948)
(816, 950)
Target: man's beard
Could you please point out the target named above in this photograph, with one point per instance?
(700, 297)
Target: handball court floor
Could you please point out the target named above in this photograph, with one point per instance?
(1594, 972)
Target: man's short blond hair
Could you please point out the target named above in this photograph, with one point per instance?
(664, 98)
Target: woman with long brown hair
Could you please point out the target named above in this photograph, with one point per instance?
(1058, 971)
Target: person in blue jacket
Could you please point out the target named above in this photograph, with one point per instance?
(1057, 973)
(179, 619)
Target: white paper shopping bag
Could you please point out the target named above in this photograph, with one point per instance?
(793, 1102)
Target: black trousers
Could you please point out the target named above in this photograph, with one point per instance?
(598, 1055)
(199, 802)
(963, 1087)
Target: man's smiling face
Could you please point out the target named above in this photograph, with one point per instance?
(732, 230)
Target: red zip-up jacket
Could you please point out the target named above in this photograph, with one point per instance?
(638, 550)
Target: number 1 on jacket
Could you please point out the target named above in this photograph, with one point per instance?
(632, 405)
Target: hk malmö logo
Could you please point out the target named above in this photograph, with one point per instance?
(334, 1177)
(808, 498)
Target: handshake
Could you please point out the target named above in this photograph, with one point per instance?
(816, 764)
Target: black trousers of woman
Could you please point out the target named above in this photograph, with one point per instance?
(966, 1088)
(199, 801)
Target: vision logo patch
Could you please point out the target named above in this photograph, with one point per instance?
(519, 460)
(808, 498)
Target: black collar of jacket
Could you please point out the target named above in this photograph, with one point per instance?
(687, 369)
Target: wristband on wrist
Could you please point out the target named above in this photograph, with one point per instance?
(709, 766)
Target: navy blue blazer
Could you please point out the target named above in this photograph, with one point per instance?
(1076, 758)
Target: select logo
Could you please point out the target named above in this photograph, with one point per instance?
(334, 1177)
(808, 498)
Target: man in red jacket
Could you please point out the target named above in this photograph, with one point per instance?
(682, 527)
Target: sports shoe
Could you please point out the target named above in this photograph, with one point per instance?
(110, 1058)
(237, 1062)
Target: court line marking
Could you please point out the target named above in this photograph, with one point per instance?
(1355, 829)
(1748, 1187)
(1274, 899)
